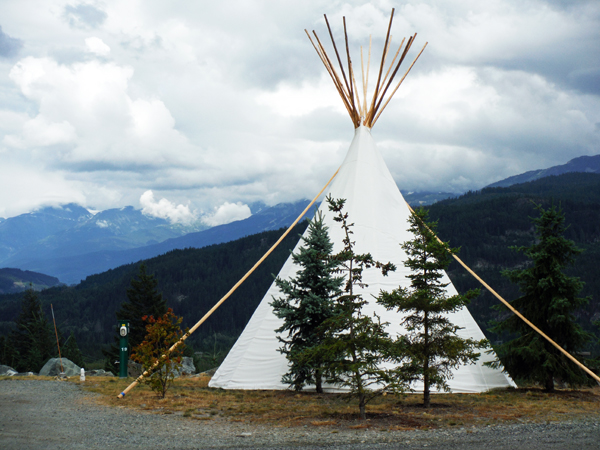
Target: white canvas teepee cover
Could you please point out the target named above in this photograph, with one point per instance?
(380, 216)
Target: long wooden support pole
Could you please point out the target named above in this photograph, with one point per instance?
(226, 296)
(57, 344)
(521, 316)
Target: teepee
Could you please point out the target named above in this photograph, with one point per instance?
(380, 216)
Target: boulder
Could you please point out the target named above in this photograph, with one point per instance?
(98, 373)
(134, 369)
(7, 371)
(210, 372)
(187, 366)
(52, 368)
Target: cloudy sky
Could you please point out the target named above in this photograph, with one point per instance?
(199, 108)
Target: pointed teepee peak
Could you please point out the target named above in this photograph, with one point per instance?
(366, 109)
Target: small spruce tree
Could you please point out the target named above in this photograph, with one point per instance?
(306, 304)
(354, 344)
(431, 346)
(549, 300)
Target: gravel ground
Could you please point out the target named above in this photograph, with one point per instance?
(58, 415)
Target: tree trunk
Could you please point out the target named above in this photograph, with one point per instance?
(549, 383)
(318, 381)
(426, 393)
(362, 407)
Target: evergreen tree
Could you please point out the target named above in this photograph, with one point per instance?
(6, 354)
(307, 303)
(431, 345)
(354, 344)
(143, 299)
(549, 300)
(70, 350)
(32, 342)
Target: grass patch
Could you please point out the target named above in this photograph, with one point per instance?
(193, 399)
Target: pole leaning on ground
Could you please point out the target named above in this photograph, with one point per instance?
(226, 296)
(62, 370)
(521, 316)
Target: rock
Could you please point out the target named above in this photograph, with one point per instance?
(7, 371)
(98, 373)
(187, 366)
(52, 368)
(134, 369)
(210, 372)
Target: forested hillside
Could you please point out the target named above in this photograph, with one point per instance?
(16, 280)
(485, 224)
(191, 280)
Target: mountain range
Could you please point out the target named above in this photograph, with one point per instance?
(70, 242)
(588, 164)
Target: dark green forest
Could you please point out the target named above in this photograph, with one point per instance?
(191, 280)
(484, 224)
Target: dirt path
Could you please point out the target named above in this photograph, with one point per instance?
(57, 415)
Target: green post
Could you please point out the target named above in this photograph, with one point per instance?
(123, 327)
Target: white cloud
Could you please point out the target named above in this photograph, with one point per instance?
(97, 46)
(226, 213)
(165, 209)
(38, 132)
(88, 106)
(113, 98)
(291, 100)
(26, 187)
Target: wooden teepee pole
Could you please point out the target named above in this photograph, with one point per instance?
(510, 307)
(330, 69)
(366, 83)
(226, 296)
(339, 59)
(377, 85)
(57, 344)
(385, 79)
(397, 86)
(364, 112)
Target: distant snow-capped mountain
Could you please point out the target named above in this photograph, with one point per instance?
(71, 243)
(71, 230)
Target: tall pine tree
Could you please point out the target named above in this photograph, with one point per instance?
(70, 350)
(143, 299)
(549, 300)
(31, 343)
(431, 347)
(306, 304)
